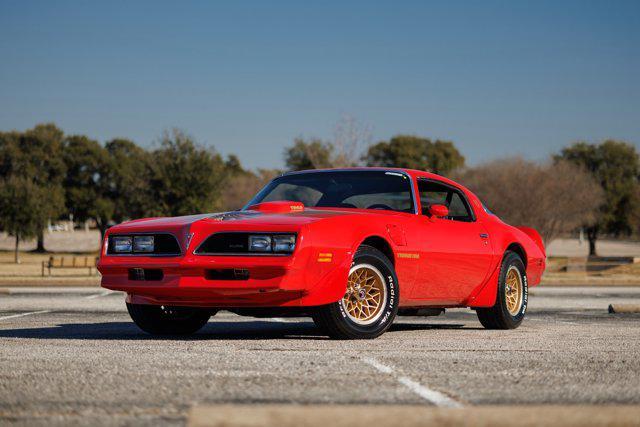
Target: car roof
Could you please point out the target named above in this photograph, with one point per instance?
(411, 172)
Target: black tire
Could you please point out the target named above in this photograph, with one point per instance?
(498, 316)
(333, 320)
(161, 320)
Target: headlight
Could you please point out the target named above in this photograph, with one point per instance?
(284, 243)
(162, 244)
(276, 243)
(122, 244)
(143, 244)
(260, 243)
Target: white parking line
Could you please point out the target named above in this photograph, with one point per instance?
(24, 314)
(553, 321)
(279, 320)
(102, 294)
(431, 396)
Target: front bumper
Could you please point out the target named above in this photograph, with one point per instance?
(273, 281)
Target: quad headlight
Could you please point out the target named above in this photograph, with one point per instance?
(260, 243)
(122, 244)
(143, 244)
(284, 243)
(272, 243)
(132, 244)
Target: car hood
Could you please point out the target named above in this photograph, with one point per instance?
(247, 217)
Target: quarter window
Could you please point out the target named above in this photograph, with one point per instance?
(435, 193)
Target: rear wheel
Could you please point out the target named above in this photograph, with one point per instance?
(370, 303)
(511, 301)
(164, 320)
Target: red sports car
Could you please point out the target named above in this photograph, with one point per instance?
(352, 248)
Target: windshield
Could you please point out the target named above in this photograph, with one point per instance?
(342, 189)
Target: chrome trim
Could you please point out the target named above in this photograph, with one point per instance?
(144, 254)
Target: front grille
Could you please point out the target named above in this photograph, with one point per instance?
(225, 243)
(164, 245)
(235, 243)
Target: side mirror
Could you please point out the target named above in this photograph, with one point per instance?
(438, 211)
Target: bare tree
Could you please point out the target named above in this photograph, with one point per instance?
(242, 186)
(349, 139)
(345, 150)
(553, 198)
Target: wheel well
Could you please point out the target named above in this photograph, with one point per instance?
(382, 245)
(517, 248)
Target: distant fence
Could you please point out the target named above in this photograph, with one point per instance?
(54, 262)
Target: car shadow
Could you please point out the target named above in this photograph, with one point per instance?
(214, 330)
(402, 327)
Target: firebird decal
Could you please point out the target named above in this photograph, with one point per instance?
(408, 255)
(325, 257)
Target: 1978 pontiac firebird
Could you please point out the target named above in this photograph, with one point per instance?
(352, 248)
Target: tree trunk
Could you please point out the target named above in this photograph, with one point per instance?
(592, 235)
(102, 226)
(40, 247)
(17, 252)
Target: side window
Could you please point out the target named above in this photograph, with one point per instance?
(434, 193)
(457, 208)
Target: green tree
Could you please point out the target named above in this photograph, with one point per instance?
(10, 153)
(233, 165)
(87, 190)
(242, 184)
(616, 166)
(20, 209)
(43, 145)
(37, 154)
(414, 152)
(187, 178)
(128, 180)
(313, 154)
(342, 151)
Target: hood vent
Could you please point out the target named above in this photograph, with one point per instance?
(230, 216)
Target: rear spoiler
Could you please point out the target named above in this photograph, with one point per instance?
(535, 236)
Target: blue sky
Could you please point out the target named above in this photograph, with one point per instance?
(498, 78)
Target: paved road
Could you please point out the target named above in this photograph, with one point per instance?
(76, 357)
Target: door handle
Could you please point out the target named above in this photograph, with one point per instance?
(484, 235)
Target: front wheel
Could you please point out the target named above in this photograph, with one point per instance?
(511, 301)
(370, 303)
(164, 320)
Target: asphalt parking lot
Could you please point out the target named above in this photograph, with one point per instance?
(73, 356)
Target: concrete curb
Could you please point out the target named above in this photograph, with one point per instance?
(46, 290)
(578, 284)
(624, 308)
(411, 416)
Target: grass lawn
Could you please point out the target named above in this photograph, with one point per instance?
(29, 271)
